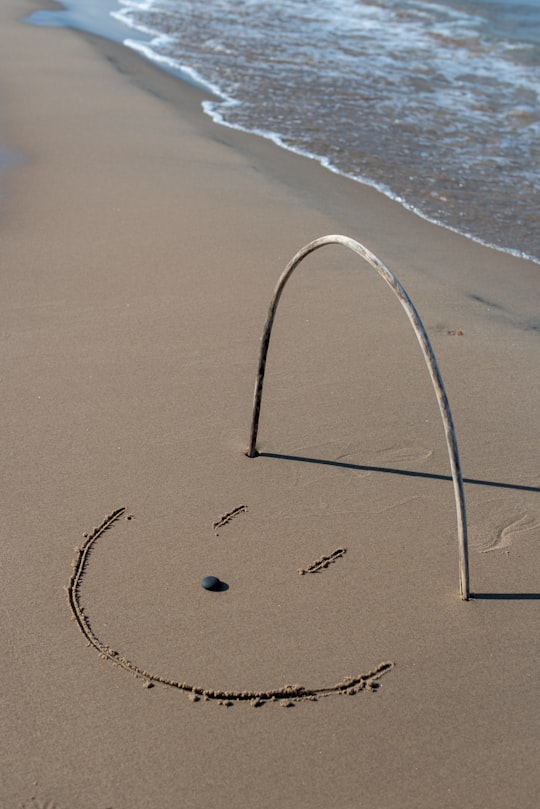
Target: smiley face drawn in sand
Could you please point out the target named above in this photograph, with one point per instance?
(286, 695)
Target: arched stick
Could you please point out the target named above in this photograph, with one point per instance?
(431, 363)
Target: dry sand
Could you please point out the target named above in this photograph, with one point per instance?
(140, 246)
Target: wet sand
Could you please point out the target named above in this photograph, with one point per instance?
(140, 247)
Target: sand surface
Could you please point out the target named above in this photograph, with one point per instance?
(140, 244)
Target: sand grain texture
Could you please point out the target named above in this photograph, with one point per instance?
(140, 247)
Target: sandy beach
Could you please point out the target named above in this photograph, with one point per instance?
(140, 247)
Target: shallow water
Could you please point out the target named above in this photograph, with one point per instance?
(435, 103)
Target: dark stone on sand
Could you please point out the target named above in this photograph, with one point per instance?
(210, 583)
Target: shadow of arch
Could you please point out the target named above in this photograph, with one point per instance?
(431, 363)
(411, 473)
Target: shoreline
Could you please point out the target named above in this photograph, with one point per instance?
(107, 33)
(279, 162)
(141, 245)
(349, 194)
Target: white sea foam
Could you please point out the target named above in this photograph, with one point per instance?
(184, 71)
(429, 103)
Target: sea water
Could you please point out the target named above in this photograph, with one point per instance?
(434, 103)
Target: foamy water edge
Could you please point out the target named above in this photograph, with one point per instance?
(187, 73)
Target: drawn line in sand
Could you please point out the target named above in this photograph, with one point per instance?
(287, 695)
(323, 562)
(225, 519)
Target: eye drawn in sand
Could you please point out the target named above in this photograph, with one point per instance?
(225, 519)
(323, 562)
(286, 695)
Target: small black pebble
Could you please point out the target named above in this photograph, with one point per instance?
(210, 583)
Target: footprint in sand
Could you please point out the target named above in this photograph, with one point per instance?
(385, 456)
(364, 456)
(496, 524)
(403, 454)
